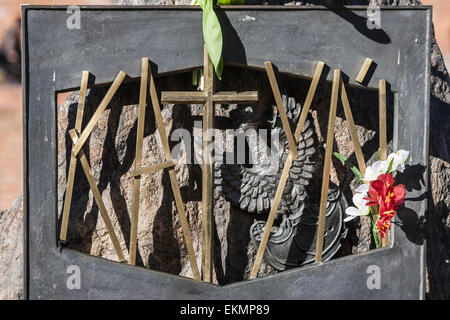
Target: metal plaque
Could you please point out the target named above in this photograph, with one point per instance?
(114, 38)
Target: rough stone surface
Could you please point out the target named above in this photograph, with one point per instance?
(160, 235)
(437, 221)
(160, 238)
(161, 247)
(11, 249)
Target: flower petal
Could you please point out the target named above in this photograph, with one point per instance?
(349, 218)
(383, 225)
(380, 167)
(399, 194)
(358, 200)
(387, 179)
(352, 211)
(404, 155)
(369, 176)
(364, 188)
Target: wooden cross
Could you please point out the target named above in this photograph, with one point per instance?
(208, 97)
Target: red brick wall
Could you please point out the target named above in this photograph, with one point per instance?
(441, 20)
(11, 173)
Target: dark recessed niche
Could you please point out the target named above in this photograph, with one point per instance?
(111, 153)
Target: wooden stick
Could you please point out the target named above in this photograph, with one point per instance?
(138, 161)
(201, 97)
(182, 97)
(271, 218)
(309, 99)
(230, 97)
(281, 109)
(385, 240)
(382, 119)
(364, 69)
(208, 97)
(207, 173)
(327, 165)
(173, 178)
(81, 101)
(383, 133)
(98, 198)
(155, 167)
(106, 100)
(73, 159)
(353, 133)
(285, 173)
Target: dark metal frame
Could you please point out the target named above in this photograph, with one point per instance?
(53, 60)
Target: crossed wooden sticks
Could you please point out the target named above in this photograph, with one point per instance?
(338, 86)
(169, 163)
(79, 138)
(293, 154)
(78, 142)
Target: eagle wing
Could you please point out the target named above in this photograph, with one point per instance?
(253, 189)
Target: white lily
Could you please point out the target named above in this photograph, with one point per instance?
(360, 208)
(364, 188)
(377, 168)
(400, 158)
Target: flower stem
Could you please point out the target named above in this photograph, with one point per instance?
(374, 219)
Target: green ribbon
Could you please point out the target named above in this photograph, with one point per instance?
(212, 32)
(230, 2)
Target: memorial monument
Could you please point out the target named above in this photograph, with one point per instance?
(297, 216)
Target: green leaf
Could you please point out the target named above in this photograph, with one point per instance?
(375, 233)
(340, 156)
(230, 2)
(391, 163)
(212, 32)
(194, 77)
(212, 35)
(376, 236)
(349, 165)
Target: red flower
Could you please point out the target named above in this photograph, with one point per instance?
(384, 194)
(383, 225)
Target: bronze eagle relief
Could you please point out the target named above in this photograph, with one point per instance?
(251, 187)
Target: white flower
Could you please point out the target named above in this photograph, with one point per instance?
(399, 160)
(202, 83)
(377, 168)
(364, 188)
(360, 208)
